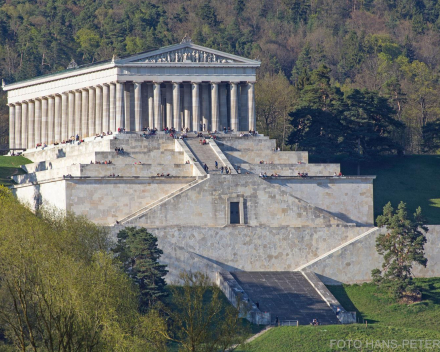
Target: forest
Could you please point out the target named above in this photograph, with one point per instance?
(386, 49)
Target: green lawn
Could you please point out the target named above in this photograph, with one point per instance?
(412, 179)
(10, 165)
(387, 321)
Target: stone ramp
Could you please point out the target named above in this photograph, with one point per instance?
(204, 154)
(287, 295)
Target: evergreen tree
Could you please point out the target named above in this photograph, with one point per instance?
(139, 254)
(369, 123)
(303, 63)
(316, 119)
(431, 136)
(401, 247)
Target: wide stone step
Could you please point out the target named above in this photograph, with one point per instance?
(205, 155)
(287, 295)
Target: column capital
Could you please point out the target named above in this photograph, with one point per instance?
(251, 82)
(177, 82)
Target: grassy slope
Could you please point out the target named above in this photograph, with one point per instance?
(412, 179)
(10, 165)
(386, 321)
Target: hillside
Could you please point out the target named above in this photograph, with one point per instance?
(10, 165)
(387, 321)
(388, 46)
(411, 179)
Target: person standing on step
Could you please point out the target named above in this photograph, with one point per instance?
(221, 170)
(216, 164)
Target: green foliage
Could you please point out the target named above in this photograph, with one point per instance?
(369, 122)
(139, 254)
(431, 136)
(359, 124)
(60, 288)
(401, 247)
(201, 318)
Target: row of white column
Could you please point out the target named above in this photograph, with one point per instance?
(90, 111)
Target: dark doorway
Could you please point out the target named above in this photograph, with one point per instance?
(235, 212)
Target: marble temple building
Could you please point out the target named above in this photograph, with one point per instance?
(234, 204)
(181, 86)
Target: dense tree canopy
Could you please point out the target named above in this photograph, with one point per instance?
(391, 47)
(60, 289)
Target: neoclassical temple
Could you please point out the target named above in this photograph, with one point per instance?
(181, 86)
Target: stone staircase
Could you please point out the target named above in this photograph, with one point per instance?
(138, 213)
(204, 154)
(287, 295)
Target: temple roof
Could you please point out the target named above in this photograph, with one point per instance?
(186, 53)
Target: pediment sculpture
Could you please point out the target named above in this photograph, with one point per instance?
(186, 55)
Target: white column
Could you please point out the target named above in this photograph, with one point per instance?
(119, 105)
(243, 111)
(18, 126)
(169, 102)
(177, 123)
(187, 105)
(205, 107)
(157, 103)
(112, 126)
(24, 124)
(11, 126)
(127, 106)
(251, 105)
(137, 106)
(196, 106)
(78, 110)
(98, 116)
(85, 112)
(132, 107)
(31, 129)
(223, 102)
(144, 99)
(50, 119)
(38, 116)
(150, 105)
(65, 116)
(105, 107)
(215, 113)
(92, 111)
(234, 107)
(71, 121)
(58, 118)
(44, 120)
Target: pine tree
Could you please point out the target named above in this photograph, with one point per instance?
(316, 119)
(369, 123)
(139, 254)
(401, 247)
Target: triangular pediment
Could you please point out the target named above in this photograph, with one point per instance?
(187, 53)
